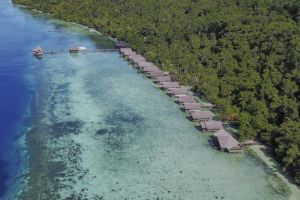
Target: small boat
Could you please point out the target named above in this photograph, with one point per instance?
(37, 52)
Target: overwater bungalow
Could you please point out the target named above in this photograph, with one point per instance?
(131, 55)
(37, 52)
(226, 142)
(168, 85)
(201, 116)
(145, 64)
(125, 50)
(211, 126)
(74, 50)
(137, 59)
(186, 99)
(126, 54)
(178, 91)
(163, 79)
(121, 44)
(192, 107)
(156, 74)
(149, 69)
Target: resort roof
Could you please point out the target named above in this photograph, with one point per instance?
(186, 99)
(212, 125)
(192, 106)
(169, 84)
(121, 44)
(157, 73)
(138, 58)
(125, 50)
(163, 79)
(145, 64)
(132, 55)
(149, 69)
(201, 115)
(226, 141)
(178, 91)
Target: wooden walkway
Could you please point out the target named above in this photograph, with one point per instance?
(84, 51)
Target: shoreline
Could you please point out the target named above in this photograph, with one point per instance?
(271, 164)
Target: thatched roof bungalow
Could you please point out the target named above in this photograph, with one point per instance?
(167, 85)
(156, 74)
(131, 56)
(211, 126)
(122, 50)
(227, 142)
(191, 107)
(163, 79)
(149, 69)
(38, 51)
(138, 59)
(201, 116)
(145, 64)
(178, 91)
(186, 99)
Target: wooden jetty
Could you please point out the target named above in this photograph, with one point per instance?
(38, 52)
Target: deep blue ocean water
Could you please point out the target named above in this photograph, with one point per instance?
(14, 95)
(20, 31)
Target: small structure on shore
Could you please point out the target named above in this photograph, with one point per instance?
(211, 126)
(201, 116)
(186, 99)
(226, 142)
(121, 44)
(192, 107)
(37, 52)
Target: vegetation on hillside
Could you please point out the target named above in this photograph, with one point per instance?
(242, 55)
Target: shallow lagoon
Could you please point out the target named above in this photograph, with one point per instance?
(101, 130)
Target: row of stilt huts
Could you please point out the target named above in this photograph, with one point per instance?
(195, 110)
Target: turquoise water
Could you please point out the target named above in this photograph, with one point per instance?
(100, 130)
